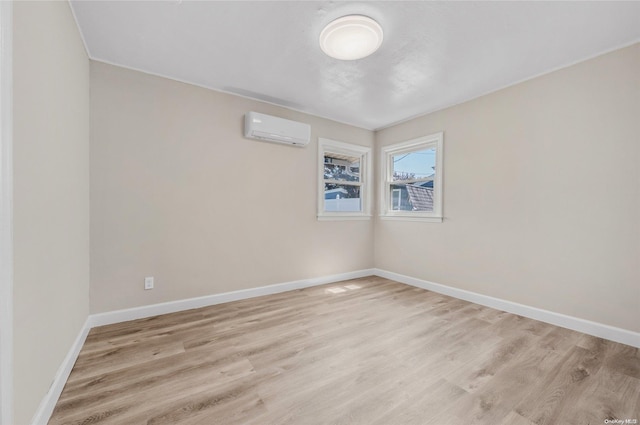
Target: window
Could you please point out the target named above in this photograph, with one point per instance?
(412, 186)
(343, 181)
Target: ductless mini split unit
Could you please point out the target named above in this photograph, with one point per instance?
(274, 129)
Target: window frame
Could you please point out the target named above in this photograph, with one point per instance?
(432, 141)
(342, 148)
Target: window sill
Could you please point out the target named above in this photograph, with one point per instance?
(340, 217)
(426, 219)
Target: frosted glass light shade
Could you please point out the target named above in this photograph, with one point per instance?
(351, 37)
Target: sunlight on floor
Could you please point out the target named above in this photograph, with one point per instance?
(341, 289)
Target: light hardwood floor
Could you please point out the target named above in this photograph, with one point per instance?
(364, 351)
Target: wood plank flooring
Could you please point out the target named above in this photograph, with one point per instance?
(364, 351)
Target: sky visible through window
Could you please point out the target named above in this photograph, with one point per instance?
(420, 163)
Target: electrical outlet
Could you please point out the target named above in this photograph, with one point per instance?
(148, 282)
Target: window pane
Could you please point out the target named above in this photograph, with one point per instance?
(414, 165)
(396, 199)
(341, 167)
(412, 196)
(342, 197)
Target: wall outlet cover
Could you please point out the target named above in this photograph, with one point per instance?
(148, 282)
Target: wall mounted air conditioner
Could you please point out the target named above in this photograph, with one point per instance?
(274, 129)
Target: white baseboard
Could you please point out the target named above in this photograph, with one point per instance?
(581, 325)
(125, 315)
(48, 403)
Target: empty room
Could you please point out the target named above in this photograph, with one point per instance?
(318, 212)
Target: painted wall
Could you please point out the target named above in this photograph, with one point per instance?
(179, 194)
(51, 196)
(541, 194)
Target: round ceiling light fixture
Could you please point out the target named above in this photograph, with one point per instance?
(351, 37)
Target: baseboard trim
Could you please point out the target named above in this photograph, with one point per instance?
(142, 312)
(48, 403)
(581, 325)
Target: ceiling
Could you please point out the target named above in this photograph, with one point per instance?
(434, 54)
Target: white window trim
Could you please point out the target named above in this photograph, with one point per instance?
(366, 179)
(431, 141)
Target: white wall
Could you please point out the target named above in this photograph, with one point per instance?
(541, 194)
(51, 196)
(179, 194)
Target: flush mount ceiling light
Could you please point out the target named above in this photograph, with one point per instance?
(351, 37)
